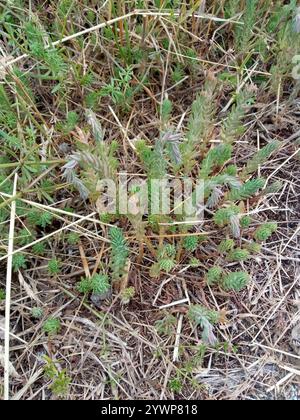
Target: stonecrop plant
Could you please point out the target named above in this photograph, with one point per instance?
(206, 151)
(52, 109)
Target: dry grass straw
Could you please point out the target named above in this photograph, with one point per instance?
(7, 367)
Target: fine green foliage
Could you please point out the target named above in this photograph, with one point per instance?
(166, 111)
(200, 123)
(39, 248)
(197, 312)
(49, 58)
(226, 245)
(120, 88)
(191, 243)
(194, 262)
(54, 267)
(203, 110)
(167, 264)
(246, 222)
(214, 275)
(60, 381)
(254, 248)
(264, 232)
(25, 237)
(119, 253)
(225, 216)
(175, 385)
(127, 295)
(232, 128)
(40, 218)
(37, 313)
(274, 188)
(98, 284)
(239, 254)
(178, 74)
(96, 162)
(235, 281)
(73, 238)
(70, 123)
(166, 325)
(153, 159)
(248, 190)
(205, 319)
(244, 33)
(261, 157)
(216, 157)
(84, 286)
(283, 23)
(166, 258)
(19, 261)
(231, 170)
(2, 294)
(52, 326)
(166, 261)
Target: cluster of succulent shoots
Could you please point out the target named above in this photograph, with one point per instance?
(205, 150)
(234, 281)
(229, 251)
(100, 284)
(228, 190)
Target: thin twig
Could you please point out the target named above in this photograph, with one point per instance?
(82, 219)
(8, 293)
(177, 340)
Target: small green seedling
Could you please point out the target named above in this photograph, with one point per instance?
(52, 326)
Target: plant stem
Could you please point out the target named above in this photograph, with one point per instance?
(36, 163)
